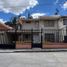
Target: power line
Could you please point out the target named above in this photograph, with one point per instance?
(44, 3)
(51, 4)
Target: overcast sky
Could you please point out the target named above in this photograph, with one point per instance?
(9, 8)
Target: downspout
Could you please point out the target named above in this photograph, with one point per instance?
(58, 30)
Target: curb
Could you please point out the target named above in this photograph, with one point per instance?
(33, 50)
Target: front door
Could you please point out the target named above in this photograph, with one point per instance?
(36, 42)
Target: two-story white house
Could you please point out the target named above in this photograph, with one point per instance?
(42, 29)
(30, 33)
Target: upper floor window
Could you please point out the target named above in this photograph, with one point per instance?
(49, 23)
(65, 21)
(26, 37)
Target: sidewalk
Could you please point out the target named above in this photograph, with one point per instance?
(31, 50)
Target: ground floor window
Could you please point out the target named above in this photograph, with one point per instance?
(26, 37)
(49, 37)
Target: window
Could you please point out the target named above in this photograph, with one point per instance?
(49, 37)
(26, 37)
(49, 23)
(65, 21)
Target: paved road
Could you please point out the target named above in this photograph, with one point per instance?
(44, 59)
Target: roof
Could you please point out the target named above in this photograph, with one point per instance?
(4, 27)
(64, 17)
(54, 17)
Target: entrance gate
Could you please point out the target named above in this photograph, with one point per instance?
(37, 39)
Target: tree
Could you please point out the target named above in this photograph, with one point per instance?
(13, 20)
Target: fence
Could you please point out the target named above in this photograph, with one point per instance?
(26, 38)
(5, 40)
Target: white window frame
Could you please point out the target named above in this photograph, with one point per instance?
(49, 23)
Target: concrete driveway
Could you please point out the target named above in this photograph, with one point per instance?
(38, 59)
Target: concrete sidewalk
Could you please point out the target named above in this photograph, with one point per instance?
(40, 59)
(31, 50)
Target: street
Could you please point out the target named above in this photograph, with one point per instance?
(32, 59)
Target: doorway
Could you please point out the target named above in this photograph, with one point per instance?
(36, 40)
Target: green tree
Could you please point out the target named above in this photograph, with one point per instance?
(14, 20)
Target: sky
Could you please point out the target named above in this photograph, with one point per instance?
(11, 8)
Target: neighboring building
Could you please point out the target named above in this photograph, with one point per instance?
(30, 33)
(4, 36)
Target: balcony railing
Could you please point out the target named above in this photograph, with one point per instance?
(25, 30)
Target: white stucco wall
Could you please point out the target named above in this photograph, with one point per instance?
(62, 29)
(60, 23)
(29, 26)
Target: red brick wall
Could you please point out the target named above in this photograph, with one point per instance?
(54, 45)
(23, 46)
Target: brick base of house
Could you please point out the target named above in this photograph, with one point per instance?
(23, 46)
(54, 45)
(49, 45)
